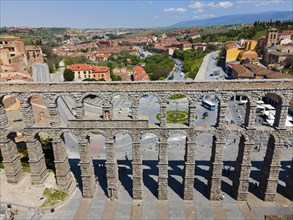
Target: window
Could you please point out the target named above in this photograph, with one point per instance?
(102, 75)
(84, 72)
(78, 72)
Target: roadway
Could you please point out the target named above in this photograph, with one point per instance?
(208, 67)
(41, 73)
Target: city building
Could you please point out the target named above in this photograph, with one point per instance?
(139, 74)
(86, 71)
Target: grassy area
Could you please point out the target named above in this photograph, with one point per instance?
(177, 96)
(174, 116)
(53, 197)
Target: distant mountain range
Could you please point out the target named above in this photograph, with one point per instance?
(238, 19)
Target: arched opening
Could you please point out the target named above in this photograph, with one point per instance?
(289, 119)
(66, 108)
(40, 110)
(177, 109)
(202, 163)
(98, 153)
(123, 148)
(121, 107)
(72, 149)
(286, 163)
(176, 154)
(149, 152)
(271, 111)
(93, 107)
(231, 151)
(13, 111)
(238, 110)
(149, 107)
(46, 142)
(258, 153)
(207, 110)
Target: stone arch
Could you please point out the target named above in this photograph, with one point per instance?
(155, 94)
(96, 94)
(121, 110)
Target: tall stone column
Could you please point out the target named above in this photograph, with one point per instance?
(137, 168)
(111, 168)
(134, 110)
(37, 162)
(27, 112)
(63, 176)
(281, 116)
(189, 168)
(242, 169)
(80, 110)
(289, 182)
(54, 114)
(270, 171)
(11, 161)
(86, 168)
(216, 165)
(163, 114)
(222, 113)
(250, 115)
(163, 167)
(3, 116)
(107, 111)
(192, 113)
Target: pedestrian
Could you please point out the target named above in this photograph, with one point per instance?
(234, 140)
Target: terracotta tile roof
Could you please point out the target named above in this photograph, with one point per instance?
(100, 69)
(76, 67)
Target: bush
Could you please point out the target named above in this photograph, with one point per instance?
(68, 75)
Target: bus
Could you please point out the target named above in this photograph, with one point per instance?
(209, 105)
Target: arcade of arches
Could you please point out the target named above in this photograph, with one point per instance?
(135, 127)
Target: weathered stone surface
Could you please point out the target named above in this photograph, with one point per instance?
(253, 89)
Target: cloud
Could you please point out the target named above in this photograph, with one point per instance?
(198, 17)
(225, 4)
(178, 10)
(197, 4)
(258, 3)
(199, 11)
(156, 17)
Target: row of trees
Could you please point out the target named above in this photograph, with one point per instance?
(258, 29)
(158, 66)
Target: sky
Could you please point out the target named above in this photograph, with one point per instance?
(125, 14)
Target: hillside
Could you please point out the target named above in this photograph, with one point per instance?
(238, 19)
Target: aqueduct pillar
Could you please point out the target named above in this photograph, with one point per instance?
(37, 162)
(137, 168)
(86, 168)
(270, 170)
(111, 168)
(189, 169)
(242, 169)
(63, 172)
(163, 167)
(11, 161)
(216, 166)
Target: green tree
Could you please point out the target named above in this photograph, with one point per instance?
(68, 75)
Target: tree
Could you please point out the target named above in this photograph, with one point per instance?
(68, 75)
